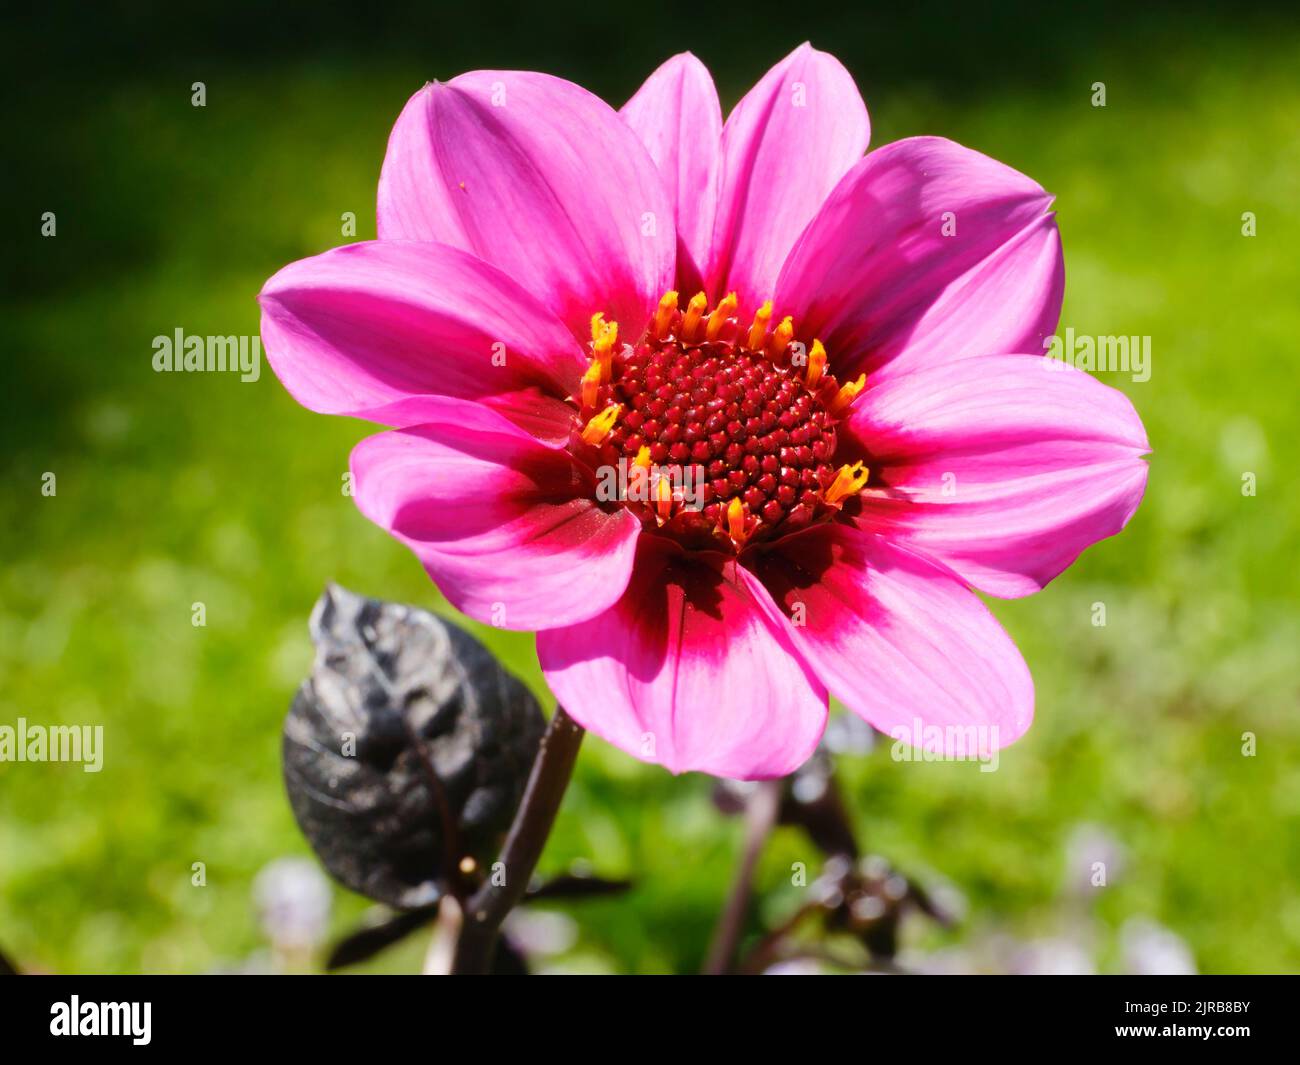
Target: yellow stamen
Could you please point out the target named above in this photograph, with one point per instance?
(591, 382)
(736, 521)
(816, 362)
(843, 399)
(603, 349)
(758, 331)
(598, 428)
(664, 315)
(642, 458)
(724, 310)
(781, 337)
(663, 499)
(597, 325)
(694, 311)
(849, 481)
(608, 336)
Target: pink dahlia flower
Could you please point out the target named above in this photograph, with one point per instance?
(714, 508)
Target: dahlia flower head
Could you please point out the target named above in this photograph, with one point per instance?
(733, 414)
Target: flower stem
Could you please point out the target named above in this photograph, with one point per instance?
(508, 880)
(760, 817)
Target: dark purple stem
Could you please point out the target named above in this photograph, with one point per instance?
(760, 817)
(505, 886)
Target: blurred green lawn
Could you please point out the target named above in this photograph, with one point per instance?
(185, 488)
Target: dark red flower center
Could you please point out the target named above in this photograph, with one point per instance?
(718, 433)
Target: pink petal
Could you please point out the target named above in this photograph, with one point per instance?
(540, 178)
(506, 527)
(677, 116)
(902, 643)
(877, 280)
(784, 147)
(373, 330)
(1003, 467)
(690, 672)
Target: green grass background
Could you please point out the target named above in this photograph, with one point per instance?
(183, 488)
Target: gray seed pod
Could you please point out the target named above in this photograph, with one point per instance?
(386, 674)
